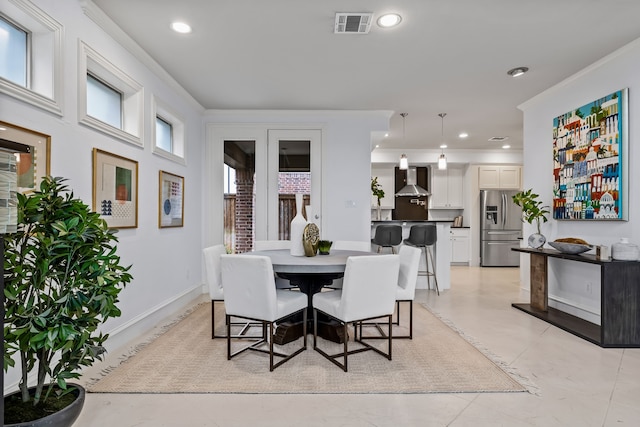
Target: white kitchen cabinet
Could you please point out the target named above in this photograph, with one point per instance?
(460, 250)
(446, 188)
(499, 177)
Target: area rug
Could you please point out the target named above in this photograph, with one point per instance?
(185, 359)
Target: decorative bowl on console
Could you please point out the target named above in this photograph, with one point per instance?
(570, 248)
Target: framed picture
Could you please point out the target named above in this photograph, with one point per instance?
(171, 200)
(590, 146)
(115, 189)
(33, 166)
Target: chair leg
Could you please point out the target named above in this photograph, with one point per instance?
(433, 265)
(390, 322)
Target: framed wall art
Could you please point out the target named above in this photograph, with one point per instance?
(115, 189)
(590, 160)
(171, 200)
(31, 167)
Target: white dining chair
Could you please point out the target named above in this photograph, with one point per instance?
(407, 279)
(272, 245)
(351, 245)
(216, 292)
(368, 292)
(250, 293)
(405, 290)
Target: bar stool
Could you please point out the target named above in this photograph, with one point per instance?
(425, 236)
(387, 236)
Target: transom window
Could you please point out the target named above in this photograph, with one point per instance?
(104, 102)
(164, 134)
(14, 53)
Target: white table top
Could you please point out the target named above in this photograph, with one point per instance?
(284, 262)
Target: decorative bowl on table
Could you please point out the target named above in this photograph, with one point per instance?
(570, 248)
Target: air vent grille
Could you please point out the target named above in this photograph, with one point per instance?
(498, 138)
(353, 23)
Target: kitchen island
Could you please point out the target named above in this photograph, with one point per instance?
(441, 254)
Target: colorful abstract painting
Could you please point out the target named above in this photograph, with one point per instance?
(589, 149)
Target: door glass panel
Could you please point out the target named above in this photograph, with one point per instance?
(239, 195)
(294, 176)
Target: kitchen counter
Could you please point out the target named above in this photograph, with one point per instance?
(412, 221)
(441, 254)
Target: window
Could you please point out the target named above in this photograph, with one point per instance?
(108, 99)
(169, 134)
(103, 102)
(164, 134)
(31, 55)
(14, 52)
(229, 180)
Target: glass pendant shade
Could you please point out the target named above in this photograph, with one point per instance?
(404, 162)
(442, 162)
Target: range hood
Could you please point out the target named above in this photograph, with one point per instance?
(412, 189)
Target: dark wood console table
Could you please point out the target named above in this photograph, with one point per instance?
(619, 304)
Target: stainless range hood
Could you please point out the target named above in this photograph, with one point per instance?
(412, 189)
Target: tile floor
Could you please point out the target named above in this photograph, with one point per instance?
(577, 383)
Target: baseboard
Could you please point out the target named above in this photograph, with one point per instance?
(145, 322)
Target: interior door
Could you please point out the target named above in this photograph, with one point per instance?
(293, 155)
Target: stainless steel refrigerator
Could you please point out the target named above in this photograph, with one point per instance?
(500, 227)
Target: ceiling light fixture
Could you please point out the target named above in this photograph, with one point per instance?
(181, 27)
(506, 146)
(442, 160)
(518, 71)
(389, 20)
(404, 162)
(463, 135)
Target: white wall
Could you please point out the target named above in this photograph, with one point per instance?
(346, 167)
(619, 70)
(166, 262)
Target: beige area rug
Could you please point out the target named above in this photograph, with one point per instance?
(184, 359)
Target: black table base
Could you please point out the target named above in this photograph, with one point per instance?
(309, 284)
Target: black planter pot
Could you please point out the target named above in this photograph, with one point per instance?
(63, 418)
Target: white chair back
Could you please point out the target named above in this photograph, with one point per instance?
(268, 245)
(249, 286)
(409, 264)
(212, 269)
(351, 245)
(369, 287)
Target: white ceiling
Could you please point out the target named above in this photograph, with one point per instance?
(446, 56)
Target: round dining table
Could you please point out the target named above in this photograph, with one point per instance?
(310, 275)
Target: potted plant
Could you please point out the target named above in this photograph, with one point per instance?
(532, 210)
(62, 279)
(377, 191)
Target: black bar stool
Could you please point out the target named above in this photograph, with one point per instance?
(425, 236)
(387, 236)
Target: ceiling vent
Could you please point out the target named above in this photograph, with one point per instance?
(353, 23)
(498, 138)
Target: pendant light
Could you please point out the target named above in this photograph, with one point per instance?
(442, 160)
(404, 162)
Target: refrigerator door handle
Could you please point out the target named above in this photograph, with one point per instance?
(504, 209)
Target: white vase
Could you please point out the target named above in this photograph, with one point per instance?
(297, 229)
(625, 251)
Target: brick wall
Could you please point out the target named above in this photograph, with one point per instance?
(294, 182)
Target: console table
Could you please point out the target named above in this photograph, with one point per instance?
(619, 304)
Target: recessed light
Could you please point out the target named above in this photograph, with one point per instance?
(443, 146)
(180, 27)
(377, 145)
(389, 20)
(506, 146)
(463, 135)
(386, 135)
(517, 72)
